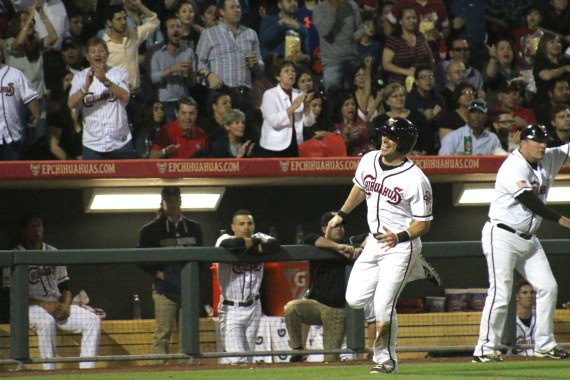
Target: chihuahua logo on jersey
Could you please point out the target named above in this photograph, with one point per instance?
(427, 197)
(539, 190)
(8, 90)
(35, 273)
(90, 99)
(241, 268)
(394, 196)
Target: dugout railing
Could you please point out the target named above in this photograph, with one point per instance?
(19, 261)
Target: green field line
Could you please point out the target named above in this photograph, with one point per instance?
(547, 369)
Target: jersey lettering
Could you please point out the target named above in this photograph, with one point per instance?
(394, 195)
(241, 268)
(8, 90)
(36, 273)
(90, 99)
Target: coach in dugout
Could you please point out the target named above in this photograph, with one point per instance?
(100, 93)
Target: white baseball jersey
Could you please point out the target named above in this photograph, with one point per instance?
(517, 175)
(15, 89)
(239, 282)
(396, 197)
(105, 123)
(525, 335)
(43, 280)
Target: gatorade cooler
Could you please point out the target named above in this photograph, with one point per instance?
(283, 282)
(215, 288)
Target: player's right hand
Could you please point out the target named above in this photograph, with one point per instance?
(332, 223)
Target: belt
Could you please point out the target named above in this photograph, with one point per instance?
(242, 304)
(239, 89)
(512, 230)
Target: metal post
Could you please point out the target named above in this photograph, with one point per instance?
(354, 323)
(190, 304)
(19, 319)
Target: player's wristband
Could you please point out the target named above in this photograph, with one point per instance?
(342, 214)
(403, 236)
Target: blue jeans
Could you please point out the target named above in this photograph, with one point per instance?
(125, 152)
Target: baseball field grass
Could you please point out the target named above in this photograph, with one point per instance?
(544, 369)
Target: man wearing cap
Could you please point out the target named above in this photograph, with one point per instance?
(509, 242)
(472, 138)
(169, 229)
(72, 57)
(509, 97)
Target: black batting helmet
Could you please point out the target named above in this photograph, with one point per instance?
(401, 130)
(535, 132)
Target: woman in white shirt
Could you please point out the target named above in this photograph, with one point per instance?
(285, 112)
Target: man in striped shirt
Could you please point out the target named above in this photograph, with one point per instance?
(228, 54)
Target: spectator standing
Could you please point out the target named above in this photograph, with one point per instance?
(190, 34)
(24, 50)
(240, 308)
(181, 138)
(16, 91)
(305, 17)
(229, 55)
(432, 20)
(274, 29)
(172, 67)
(369, 47)
(285, 112)
(473, 138)
(526, 316)
(340, 26)
(100, 93)
(49, 298)
(406, 48)
(169, 229)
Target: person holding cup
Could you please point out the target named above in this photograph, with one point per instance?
(172, 67)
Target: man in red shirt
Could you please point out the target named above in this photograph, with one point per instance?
(509, 99)
(181, 138)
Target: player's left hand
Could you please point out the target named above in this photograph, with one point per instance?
(337, 219)
(389, 238)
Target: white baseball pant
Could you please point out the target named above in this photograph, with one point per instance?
(238, 326)
(80, 321)
(379, 276)
(505, 252)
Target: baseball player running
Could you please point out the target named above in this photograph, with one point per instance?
(239, 308)
(399, 201)
(50, 300)
(509, 242)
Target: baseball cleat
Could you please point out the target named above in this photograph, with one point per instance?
(384, 368)
(555, 353)
(487, 359)
(431, 274)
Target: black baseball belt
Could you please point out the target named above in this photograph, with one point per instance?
(249, 302)
(513, 231)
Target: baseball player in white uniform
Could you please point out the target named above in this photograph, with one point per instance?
(100, 93)
(509, 242)
(526, 317)
(239, 308)
(399, 201)
(50, 301)
(15, 89)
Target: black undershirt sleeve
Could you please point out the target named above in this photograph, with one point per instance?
(534, 204)
(63, 286)
(233, 245)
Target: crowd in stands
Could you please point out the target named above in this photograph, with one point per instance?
(112, 79)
